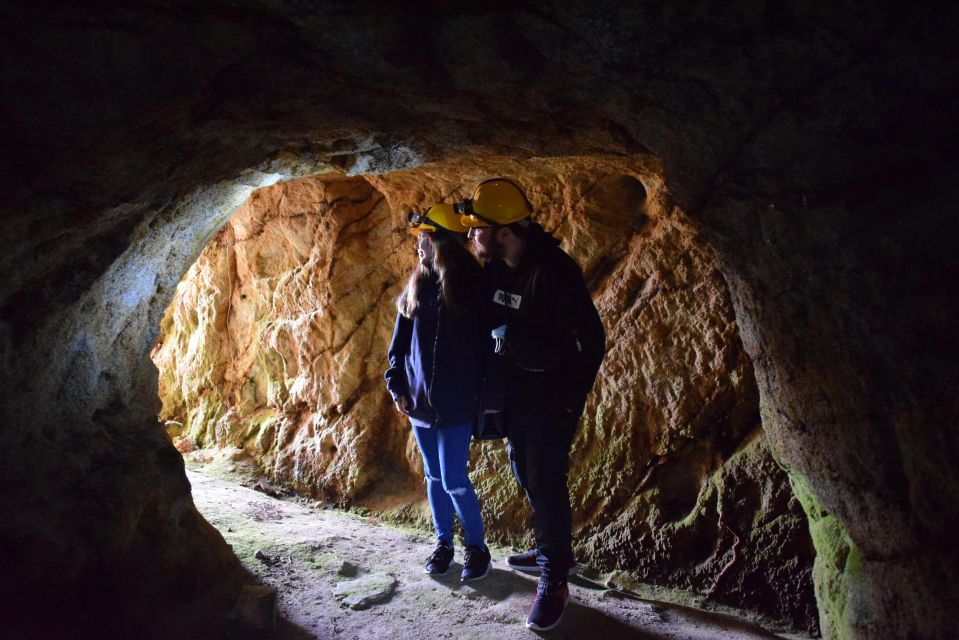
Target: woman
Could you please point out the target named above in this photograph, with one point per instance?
(435, 378)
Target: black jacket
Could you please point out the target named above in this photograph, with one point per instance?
(438, 359)
(555, 341)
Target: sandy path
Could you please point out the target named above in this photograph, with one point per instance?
(305, 549)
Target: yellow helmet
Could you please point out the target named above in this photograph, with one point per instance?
(495, 202)
(439, 215)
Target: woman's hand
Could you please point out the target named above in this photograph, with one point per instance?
(402, 405)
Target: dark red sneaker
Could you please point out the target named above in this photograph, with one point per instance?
(526, 562)
(552, 597)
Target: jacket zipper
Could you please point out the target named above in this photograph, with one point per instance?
(429, 389)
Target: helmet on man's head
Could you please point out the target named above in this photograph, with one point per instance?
(495, 202)
(440, 216)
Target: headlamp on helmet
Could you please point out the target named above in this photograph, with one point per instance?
(440, 217)
(415, 218)
(469, 217)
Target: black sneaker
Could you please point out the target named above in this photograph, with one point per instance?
(439, 561)
(526, 562)
(476, 565)
(551, 599)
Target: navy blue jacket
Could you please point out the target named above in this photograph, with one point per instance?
(443, 362)
(555, 341)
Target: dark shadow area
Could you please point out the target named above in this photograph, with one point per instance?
(286, 630)
(665, 609)
(584, 622)
(504, 583)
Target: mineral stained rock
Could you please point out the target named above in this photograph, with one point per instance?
(276, 342)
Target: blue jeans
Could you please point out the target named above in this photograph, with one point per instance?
(445, 457)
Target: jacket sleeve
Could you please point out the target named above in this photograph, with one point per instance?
(396, 382)
(581, 331)
(491, 387)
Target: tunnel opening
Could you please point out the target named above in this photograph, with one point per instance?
(271, 354)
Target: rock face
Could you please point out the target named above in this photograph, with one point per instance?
(810, 147)
(275, 337)
(276, 342)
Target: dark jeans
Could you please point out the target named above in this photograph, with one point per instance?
(540, 437)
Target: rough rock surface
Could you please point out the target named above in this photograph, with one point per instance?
(276, 342)
(811, 145)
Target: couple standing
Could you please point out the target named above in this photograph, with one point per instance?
(446, 369)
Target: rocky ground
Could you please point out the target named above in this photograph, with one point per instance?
(344, 575)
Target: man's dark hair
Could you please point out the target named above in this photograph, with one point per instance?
(520, 230)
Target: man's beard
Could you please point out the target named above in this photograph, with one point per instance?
(495, 250)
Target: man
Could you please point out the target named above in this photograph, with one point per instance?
(553, 345)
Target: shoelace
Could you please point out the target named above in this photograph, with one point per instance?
(438, 554)
(549, 587)
(470, 552)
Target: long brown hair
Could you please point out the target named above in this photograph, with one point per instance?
(458, 273)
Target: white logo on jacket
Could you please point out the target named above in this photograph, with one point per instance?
(510, 300)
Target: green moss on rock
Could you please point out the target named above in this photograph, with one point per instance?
(836, 564)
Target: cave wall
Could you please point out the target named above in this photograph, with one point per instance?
(874, 379)
(810, 145)
(276, 342)
(92, 486)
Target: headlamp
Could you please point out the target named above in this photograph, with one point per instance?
(416, 219)
(465, 208)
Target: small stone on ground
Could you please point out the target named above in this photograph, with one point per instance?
(366, 591)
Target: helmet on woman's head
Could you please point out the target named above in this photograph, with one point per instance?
(439, 217)
(495, 202)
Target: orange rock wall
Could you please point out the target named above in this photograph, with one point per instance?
(276, 342)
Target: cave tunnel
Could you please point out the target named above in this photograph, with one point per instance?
(781, 321)
(273, 347)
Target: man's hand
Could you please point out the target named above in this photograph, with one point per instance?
(402, 405)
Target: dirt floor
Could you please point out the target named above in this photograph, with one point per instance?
(340, 575)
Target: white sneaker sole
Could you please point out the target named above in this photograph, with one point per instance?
(524, 569)
(537, 571)
(536, 627)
